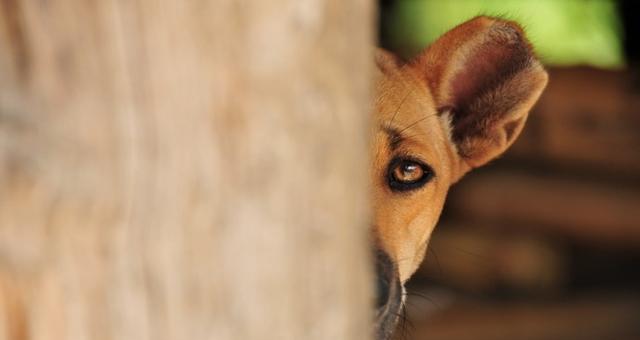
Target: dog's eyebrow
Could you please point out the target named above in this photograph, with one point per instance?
(394, 136)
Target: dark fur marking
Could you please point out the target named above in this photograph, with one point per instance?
(394, 137)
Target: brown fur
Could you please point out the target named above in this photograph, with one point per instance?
(456, 106)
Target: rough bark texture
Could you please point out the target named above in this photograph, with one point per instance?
(184, 169)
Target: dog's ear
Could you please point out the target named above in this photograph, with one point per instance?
(386, 61)
(484, 74)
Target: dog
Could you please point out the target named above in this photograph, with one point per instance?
(457, 105)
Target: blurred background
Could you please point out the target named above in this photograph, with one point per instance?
(545, 242)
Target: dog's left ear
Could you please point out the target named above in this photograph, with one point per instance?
(484, 74)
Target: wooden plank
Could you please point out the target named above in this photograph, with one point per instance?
(587, 118)
(585, 317)
(578, 209)
(471, 257)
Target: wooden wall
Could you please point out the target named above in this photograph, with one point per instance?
(184, 169)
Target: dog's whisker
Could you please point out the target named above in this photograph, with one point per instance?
(415, 135)
(407, 322)
(433, 251)
(399, 107)
(422, 296)
(416, 122)
(404, 322)
(485, 260)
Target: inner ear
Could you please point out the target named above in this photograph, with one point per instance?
(479, 91)
(485, 75)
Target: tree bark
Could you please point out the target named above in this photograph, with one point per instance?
(184, 169)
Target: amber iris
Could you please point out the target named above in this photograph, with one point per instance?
(407, 172)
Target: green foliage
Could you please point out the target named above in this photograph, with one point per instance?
(564, 32)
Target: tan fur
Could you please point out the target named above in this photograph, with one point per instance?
(459, 104)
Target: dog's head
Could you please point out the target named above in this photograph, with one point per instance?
(457, 105)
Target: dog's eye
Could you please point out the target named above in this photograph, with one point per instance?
(408, 174)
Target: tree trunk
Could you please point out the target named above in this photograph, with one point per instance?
(184, 169)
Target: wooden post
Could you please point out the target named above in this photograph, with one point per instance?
(184, 169)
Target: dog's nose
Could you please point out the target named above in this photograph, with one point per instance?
(385, 275)
(382, 292)
(388, 297)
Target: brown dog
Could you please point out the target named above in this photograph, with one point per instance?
(457, 105)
